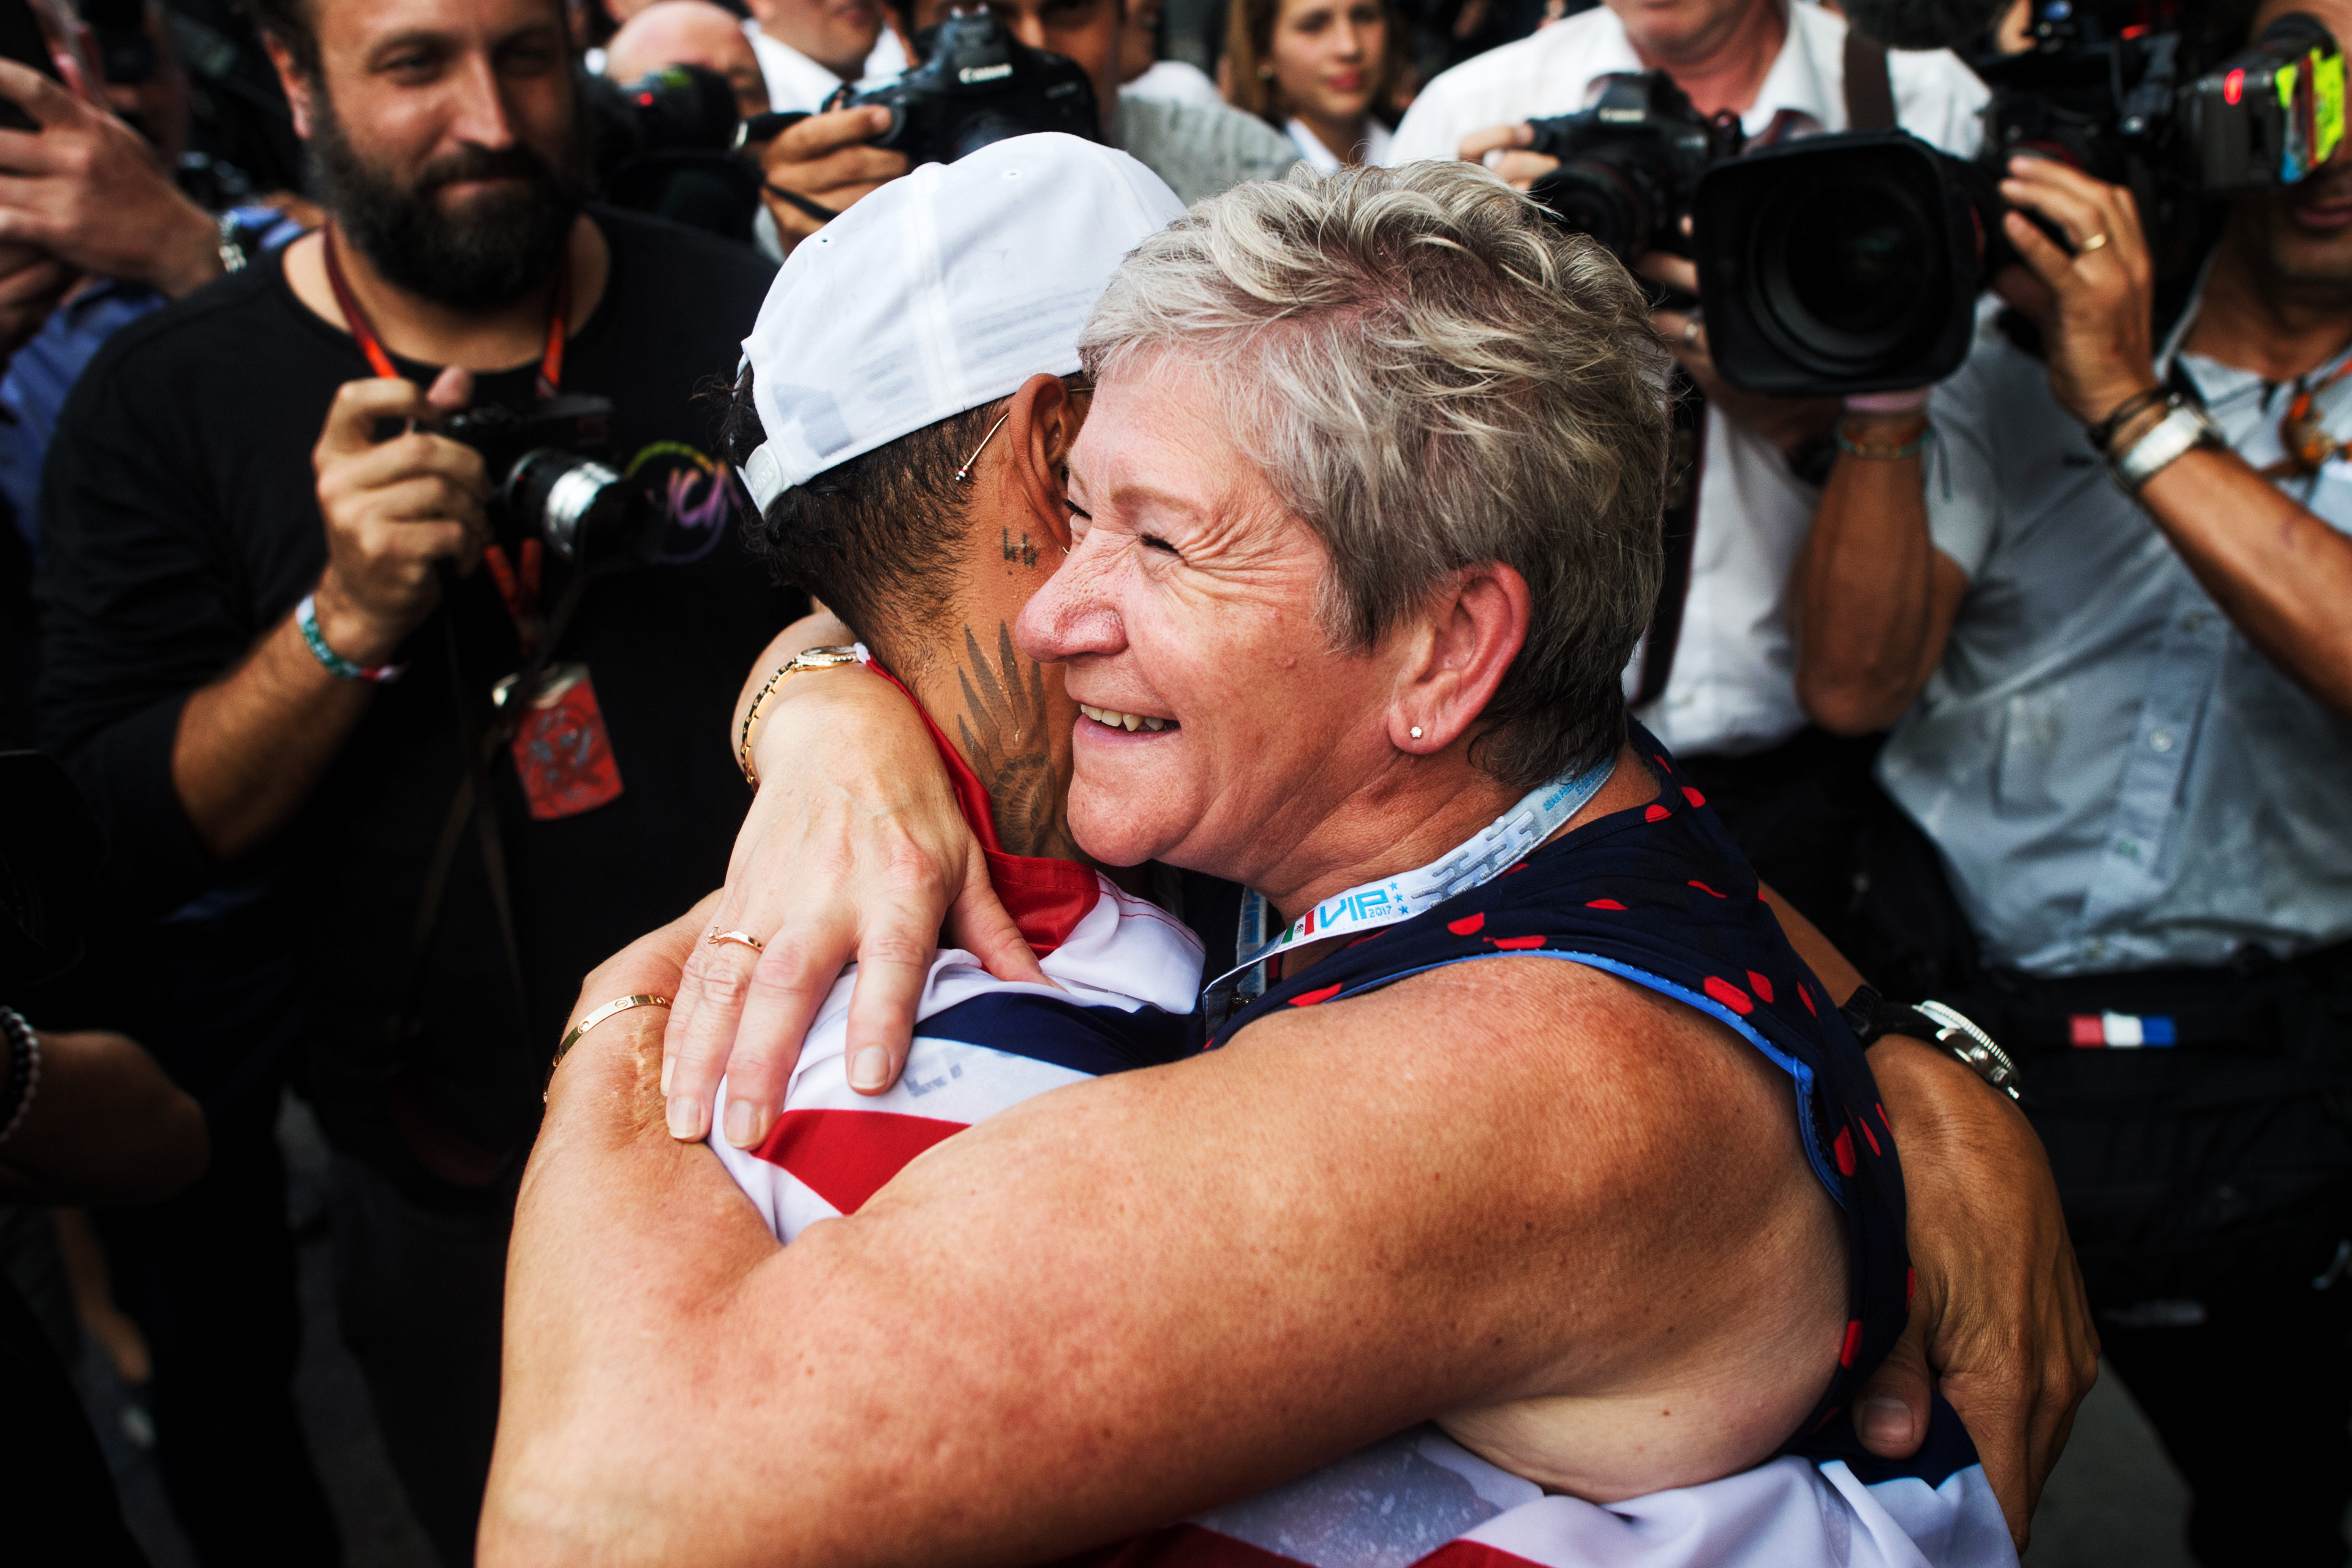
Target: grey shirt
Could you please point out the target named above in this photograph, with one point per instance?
(1201, 150)
(2117, 778)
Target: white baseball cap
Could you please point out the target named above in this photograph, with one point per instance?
(941, 292)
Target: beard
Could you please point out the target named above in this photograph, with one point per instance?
(488, 252)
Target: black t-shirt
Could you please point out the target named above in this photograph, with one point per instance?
(180, 524)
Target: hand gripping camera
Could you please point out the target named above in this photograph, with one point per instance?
(1852, 263)
(978, 84)
(547, 479)
(1630, 165)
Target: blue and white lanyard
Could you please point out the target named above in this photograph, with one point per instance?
(1499, 846)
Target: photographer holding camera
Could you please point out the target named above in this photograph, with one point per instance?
(1713, 678)
(2100, 577)
(262, 508)
(826, 161)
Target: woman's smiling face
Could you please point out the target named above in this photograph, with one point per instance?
(1189, 601)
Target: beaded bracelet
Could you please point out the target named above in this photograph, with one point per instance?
(24, 1070)
(305, 617)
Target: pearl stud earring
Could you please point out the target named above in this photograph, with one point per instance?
(1416, 731)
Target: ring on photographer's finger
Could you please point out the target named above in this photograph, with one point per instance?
(720, 938)
(2091, 245)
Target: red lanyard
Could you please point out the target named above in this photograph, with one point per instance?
(517, 590)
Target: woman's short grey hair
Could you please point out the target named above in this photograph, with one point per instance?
(1432, 374)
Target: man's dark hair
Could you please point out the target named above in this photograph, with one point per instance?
(877, 538)
(288, 21)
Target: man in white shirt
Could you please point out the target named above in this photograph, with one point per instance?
(1722, 694)
(809, 48)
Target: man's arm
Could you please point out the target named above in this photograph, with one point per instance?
(1874, 599)
(88, 189)
(1124, 1302)
(2279, 572)
(104, 1125)
(252, 746)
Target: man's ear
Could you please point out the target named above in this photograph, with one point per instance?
(1041, 424)
(290, 78)
(1457, 651)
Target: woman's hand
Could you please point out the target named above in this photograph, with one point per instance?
(2095, 306)
(2000, 1322)
(854, 851)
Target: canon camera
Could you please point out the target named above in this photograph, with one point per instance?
(549, 480)
(978, 84)
(1852, 263)
(666, 144)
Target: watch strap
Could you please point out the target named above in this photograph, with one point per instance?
(1872, 1018)
(2178, 433)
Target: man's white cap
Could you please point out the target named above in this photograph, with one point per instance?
(939, 292)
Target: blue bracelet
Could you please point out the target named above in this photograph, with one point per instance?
(306, 617)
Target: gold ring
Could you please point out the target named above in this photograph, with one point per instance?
(745, 937)
(2091, 245)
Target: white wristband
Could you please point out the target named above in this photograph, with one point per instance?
(2173, 436)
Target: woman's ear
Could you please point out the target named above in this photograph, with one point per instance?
(1469, 632)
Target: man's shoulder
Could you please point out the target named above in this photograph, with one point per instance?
(1541, 65)
(1201, 148)
(215, 329)
(683, 256)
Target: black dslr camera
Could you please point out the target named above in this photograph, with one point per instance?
(665, 144)
(1852, 263)
(979, 84)
(1630, 165)
(548, 480)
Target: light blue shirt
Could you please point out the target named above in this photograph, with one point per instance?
(2117, 779)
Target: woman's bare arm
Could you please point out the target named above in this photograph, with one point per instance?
(1129, 1298)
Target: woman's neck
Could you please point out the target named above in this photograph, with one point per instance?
(1343, 138)
(1372, 839)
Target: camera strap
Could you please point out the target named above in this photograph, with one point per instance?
(1679, 524)
(519, 592)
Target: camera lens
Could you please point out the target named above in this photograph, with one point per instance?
(580, 507)
(1589, 196)
(1840, 271)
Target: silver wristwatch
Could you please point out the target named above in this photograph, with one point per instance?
(2178, 433)
(1872, 1018)
(1970, 1045)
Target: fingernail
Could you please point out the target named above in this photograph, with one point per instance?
(685, 1117)
(870, 1068)
(742, 1124)
(668, 1063)
(1886, 1419)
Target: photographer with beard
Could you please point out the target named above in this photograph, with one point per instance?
(276, 609)
(2096, 581)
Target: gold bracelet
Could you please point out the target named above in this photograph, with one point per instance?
(808, 659)
(596, 1016)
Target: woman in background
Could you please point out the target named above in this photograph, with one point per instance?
(1319, 70)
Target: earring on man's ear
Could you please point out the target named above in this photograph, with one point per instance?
(1416, 731)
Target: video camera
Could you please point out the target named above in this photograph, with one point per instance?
(547, 479)
(977, 84)
(665, 143)
(1852, 263)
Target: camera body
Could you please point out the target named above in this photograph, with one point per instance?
(1630, 165)
(1898, 238)
(665, 144)
(978, 84)
(549, 480)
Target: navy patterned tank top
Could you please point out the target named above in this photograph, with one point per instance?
(1660, 896)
